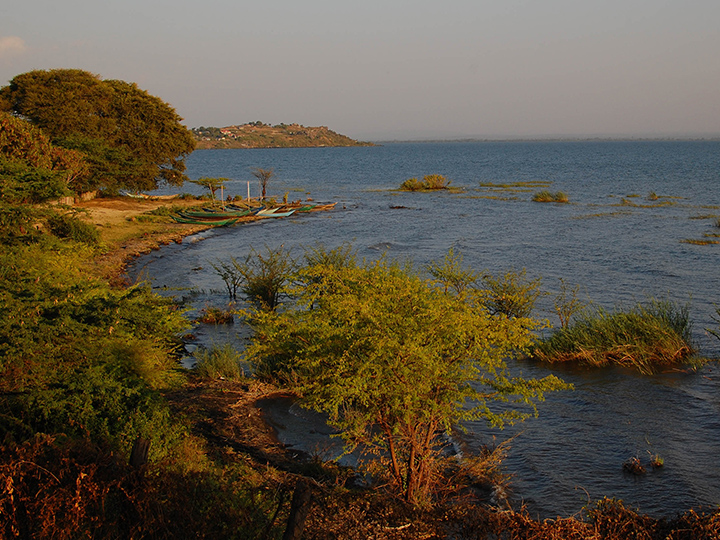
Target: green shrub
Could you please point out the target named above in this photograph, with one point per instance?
(435, 181)
(72, 227)
(411, 184)
(342, 256)
(645, 337)
(430, 182)
(261, 277)
(80, 358)
(17, 223)
(511, 294)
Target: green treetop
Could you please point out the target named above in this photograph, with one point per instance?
(130, 139)
(212, 184)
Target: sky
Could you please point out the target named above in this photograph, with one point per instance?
(395, 69)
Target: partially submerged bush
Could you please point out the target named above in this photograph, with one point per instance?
(216, 315)
(645, 337)
(430, 182)
(261, 277)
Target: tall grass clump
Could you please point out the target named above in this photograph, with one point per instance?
(646, 337)
(219, 362)
(547, 196)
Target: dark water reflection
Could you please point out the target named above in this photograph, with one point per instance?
(618, 253)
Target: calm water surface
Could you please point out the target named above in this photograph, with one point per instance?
(618, 253)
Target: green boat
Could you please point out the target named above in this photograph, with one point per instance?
(218, 221)
(211, 214)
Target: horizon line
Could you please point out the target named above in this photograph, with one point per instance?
(570, 138)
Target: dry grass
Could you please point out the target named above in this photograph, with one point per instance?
(117, 217)
(548, 197)
(699, 242)
(52, 490)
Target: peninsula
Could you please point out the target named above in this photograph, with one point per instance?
(260, 135)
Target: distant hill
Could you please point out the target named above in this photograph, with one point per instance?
(259, 135)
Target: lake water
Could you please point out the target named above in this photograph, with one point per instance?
(619, 244)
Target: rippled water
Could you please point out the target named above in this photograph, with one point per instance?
(619, 255)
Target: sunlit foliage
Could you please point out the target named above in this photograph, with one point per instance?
(129, 138)
(395, 360)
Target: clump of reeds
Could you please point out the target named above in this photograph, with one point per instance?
(645, 337)
(430, 182)
(219, 363)
(547, 196)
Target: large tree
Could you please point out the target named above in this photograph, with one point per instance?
(396, 360)
(32, 171)
(130, 138)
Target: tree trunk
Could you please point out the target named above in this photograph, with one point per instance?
(139, 455)
(299, 509)
(393, 457)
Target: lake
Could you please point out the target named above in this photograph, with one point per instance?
(640, 224)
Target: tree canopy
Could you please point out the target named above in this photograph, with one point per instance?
(212, 184)
(32, 171)
(395, 359)
(130, 138)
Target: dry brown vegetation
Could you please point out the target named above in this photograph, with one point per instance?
(53, 489)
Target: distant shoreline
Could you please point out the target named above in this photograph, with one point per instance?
(549, 139)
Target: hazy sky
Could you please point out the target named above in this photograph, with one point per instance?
(387, 69)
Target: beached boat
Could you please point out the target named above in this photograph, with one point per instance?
(274, 213)
(218, 221)
(300, 207)
(325, 206)
(213, 213)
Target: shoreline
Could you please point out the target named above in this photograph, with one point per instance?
(126, 236)
(232, 411)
